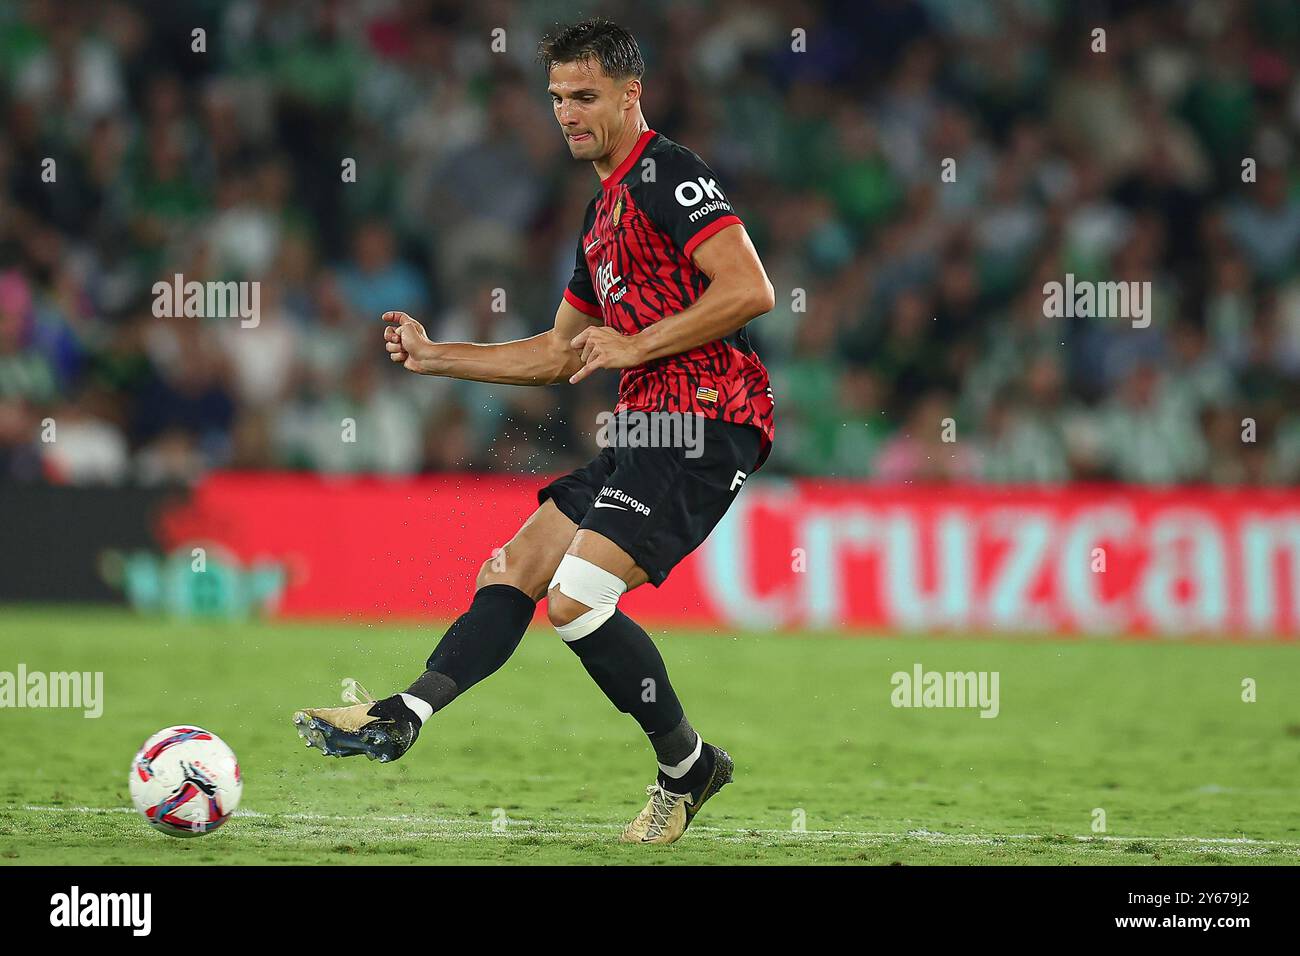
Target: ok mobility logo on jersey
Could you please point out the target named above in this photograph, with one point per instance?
(692, 193)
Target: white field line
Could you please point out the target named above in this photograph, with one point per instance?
(462, 828)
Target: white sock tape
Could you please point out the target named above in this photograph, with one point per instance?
(678, 770)
(421, 708)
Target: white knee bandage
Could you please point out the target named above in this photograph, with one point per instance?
(588, 584)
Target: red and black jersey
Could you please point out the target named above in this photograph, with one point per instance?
(634, 268)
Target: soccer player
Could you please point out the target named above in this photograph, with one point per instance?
(664, 281)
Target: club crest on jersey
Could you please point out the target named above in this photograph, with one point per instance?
(617, 214)
(704, 394)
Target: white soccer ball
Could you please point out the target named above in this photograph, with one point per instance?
(185, 781)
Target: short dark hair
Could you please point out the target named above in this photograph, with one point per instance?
(596, 38)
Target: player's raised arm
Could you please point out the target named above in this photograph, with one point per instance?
(544, 359)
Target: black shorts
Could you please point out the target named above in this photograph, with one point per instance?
(659, 504)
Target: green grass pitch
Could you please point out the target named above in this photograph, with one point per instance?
(1155, 734)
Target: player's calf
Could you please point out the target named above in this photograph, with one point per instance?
(623, 660)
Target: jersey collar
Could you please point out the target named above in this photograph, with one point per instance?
(614, 178)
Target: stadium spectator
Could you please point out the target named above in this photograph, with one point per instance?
(913, 182)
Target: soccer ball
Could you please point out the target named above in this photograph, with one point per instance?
(185, 781)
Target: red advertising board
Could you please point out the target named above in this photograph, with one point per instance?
(1108, 560)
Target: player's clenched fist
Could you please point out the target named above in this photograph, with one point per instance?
(603, 347)
(405, 340)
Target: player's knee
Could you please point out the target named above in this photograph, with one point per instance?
(487, 574)
(496, 570)
(515, 570)
(563, 610)
(582, 597)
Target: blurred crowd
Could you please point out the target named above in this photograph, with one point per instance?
(909, 342)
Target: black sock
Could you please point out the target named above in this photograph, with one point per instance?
(676, 746)
(623, 660)
(695, 779)
(476, 645)
(435, 689)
